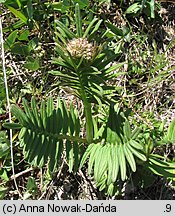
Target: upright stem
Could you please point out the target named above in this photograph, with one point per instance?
(89, 123)
(88, 112)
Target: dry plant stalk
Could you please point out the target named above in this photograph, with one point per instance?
(8, 104)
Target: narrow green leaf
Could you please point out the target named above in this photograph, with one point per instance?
(28, 141)
(68, 148)
(65, 116)
(114, 29)
(32, 122)
(50, 106)
(3, 192)
(54, 156)
(76, 156)
(16, 25)
(43, 113)
(152, 8)
(154, 160)
(55, 73)
(18, 14)
(111, 164)
(171, 132)
(30, 9)
(71, 160)
(89, 27)
(59, 120)
(122, 162)
(137, 153)
(101, 164)
(67, 60)
(78, 20)
(134, 8)
(161, 171)
(102, 184)
(22, 133)
(130, 158)
(86, 154)
(19, 3)
(110, 189)
(34, 109)
(67, 77)
(59, 61)
(103, 64)
(60, 150)
(71, 120)
(127, 130)
(135, 133)
(49, 118)
(115, 162)
(114, 67)
(97, 162)
(77, 126)
(54, 128)
(34, 148)
(95, 28)
(19, 114)
(82, 3)
(114, 75)
(69, 155)
(14, 126)
(44, 149)
(69, 33)
(136, 144)
(61, 36)
(93, 156)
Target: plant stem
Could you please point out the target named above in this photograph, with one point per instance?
(89, 123)
(87, 109)
(8, 106)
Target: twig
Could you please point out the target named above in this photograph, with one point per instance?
(50, 184)
(87, 183)
(21, 173)
(91, 186)
(8, 105)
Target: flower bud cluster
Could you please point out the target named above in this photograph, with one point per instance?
(80, 47)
